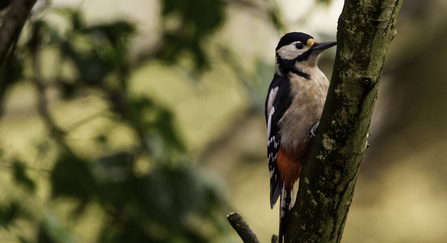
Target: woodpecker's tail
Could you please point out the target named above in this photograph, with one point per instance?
(285, 205)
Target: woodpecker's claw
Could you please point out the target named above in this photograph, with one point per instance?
(314, 129)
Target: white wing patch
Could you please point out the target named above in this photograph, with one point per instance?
(269, 124)
(271, 109)
(273, 141)
(270, 140)
(272, 96)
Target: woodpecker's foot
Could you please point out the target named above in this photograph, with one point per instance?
(314, 128)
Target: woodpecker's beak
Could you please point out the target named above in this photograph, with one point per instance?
(319, 47)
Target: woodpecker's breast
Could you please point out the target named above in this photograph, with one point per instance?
(308, 100)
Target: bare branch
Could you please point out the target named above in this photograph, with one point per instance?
(9, 31)
(13, 24)
(242, 228)
(42, 105)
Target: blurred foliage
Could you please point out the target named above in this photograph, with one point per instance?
(196, 19)
(169, 202)
(151, 191)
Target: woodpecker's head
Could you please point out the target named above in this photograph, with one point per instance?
(298, 50)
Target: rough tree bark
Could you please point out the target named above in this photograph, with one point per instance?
(365, 30)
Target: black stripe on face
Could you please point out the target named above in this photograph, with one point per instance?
(301, 74)
(286, 66)
(303, 57)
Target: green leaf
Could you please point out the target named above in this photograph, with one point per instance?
(51, 230)
(71, 177)
(75, 18)
(68, 88)
(112, 42)
(139, 109)
(199, 19)
(164, 125)
(8, 213)
(204, 15)
(23, 239)
(91, 68)
(114, 32)
(20, 176)
(172, 192)
(115, 168)
(11, 71)
(155, 119)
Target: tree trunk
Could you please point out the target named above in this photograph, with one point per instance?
(365, 30)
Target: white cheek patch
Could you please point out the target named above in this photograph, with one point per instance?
(290, 51)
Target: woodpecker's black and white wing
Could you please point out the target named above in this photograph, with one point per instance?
(277, 102)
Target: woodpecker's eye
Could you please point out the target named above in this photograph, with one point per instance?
(299, 45)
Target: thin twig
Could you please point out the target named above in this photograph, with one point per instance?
(242, 228)
(42, 105)
(85, 120)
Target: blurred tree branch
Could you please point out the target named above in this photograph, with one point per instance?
(42, 105)
(9, 31)
(12, 24)
(242, 228)
(329, 175)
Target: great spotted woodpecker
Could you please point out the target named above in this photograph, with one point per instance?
(293, 109)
